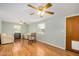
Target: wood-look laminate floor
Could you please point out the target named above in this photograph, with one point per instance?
(26, 48)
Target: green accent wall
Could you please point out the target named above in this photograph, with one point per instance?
(54, 31)
(8, 27)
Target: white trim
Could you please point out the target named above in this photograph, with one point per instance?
(51, 44)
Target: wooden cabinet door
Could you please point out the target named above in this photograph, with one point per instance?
(75, 28)
(68, 33)
(72, 31)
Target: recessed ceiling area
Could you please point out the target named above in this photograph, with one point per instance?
(14, 12)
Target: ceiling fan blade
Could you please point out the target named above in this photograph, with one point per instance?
(47, 6)
(49, 12)
(32, 6)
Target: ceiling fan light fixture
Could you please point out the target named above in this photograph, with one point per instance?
(41, 13)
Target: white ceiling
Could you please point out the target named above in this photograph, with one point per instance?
(13, 12)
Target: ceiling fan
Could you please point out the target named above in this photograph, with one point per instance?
(41, 10)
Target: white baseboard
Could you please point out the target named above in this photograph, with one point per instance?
(51, 44)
